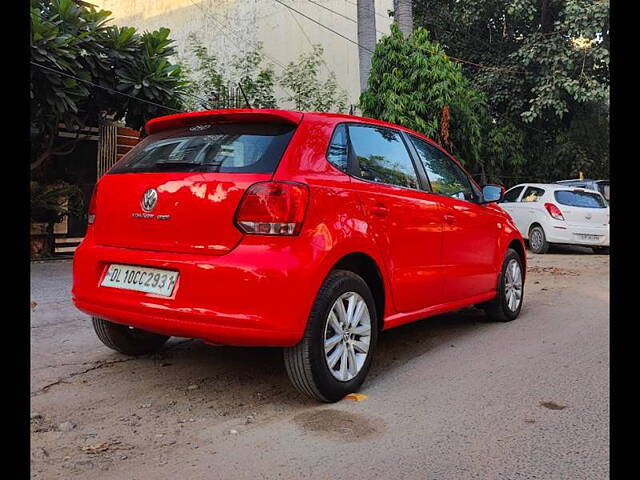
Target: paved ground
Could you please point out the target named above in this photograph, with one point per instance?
(451, 397)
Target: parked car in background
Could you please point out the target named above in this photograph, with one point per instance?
(601, 186)
(549, 214)
(313, 232)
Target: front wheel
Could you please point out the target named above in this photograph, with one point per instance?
(127, 340)
(333, 357)
(508, 303)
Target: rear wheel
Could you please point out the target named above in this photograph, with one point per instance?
(538, 240)
(508, 303)
(127, 340)
(333, 357)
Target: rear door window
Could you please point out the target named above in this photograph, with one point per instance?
(241, 148)
(574, 198)
(382, 156)
(532, 194)
(445, 176)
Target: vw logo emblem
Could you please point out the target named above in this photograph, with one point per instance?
(149, 200)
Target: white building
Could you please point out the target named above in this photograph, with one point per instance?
(228, 27)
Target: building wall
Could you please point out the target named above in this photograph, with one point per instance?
(228, 27)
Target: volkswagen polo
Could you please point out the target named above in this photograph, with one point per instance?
(309, 231)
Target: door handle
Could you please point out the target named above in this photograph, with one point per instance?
(449, 218)
(379, 210)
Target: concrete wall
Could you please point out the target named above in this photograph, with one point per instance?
(229, 27)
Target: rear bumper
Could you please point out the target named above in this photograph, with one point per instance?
(256, 295)
(571, 235)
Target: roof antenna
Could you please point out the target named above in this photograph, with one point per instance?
(243, 94)
(351, 109)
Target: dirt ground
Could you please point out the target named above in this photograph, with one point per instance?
(453, 396)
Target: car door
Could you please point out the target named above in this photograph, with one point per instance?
(470, 230)
(406, 220)
(530, 208)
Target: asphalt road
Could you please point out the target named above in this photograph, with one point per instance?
(450, 397)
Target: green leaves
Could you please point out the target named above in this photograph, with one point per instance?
(412, 80)
(209, 82)
(71, 43)
(307, 89)
(548, 71)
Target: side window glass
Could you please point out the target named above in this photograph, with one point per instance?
(512, 195)
(445, 176)
(532, 194)
(382, 156)
(338, 154)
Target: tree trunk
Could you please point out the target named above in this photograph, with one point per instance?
(366, 38)
(403, 15)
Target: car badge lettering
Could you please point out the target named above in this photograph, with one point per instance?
(199, 128)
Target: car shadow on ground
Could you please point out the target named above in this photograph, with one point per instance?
(257, 376)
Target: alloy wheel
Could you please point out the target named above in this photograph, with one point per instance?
(347, 334)
(536, 239)
(513, 285)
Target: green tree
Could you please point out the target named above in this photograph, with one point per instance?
(413, 83)
(544, 69)
(84, 71)
(71, 46)
(210, 82)
(307, 90)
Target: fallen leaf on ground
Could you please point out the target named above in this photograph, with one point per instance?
(104, 446)
(356, 397)
(552, 405)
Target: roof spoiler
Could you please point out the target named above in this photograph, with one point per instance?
(245, 115)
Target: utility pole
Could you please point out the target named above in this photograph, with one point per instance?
(403, 16)
(366, 38)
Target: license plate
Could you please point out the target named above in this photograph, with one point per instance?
(141, 279)
(584, 236)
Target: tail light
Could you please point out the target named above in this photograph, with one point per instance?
(554, 211)
(273, 208)
(91, 214)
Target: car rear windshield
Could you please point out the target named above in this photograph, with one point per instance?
(238, 147)
(574, 198)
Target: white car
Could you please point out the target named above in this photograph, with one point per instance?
(552, 213)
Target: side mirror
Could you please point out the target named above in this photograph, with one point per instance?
(492, 194)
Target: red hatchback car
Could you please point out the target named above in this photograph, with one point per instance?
(308, 231)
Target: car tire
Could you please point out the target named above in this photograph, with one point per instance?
(127, 340)
(538, 240)
(501, 308)
(308, 362)
(601, 250)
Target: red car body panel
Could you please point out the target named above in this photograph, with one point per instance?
(434, 253)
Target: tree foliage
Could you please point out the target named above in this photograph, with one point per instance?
(307, 89)
(413, 83)
(211, 83)
(83, 71)
(80, 64)
(543, 66)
